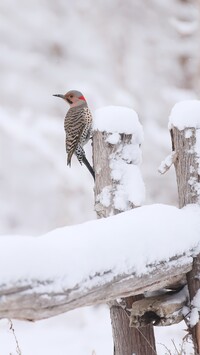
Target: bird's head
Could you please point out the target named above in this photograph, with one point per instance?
(73, 97)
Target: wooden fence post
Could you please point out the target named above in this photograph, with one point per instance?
(186, 145)
(106, 151)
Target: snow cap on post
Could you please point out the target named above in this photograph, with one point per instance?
(185, 114)
(118, 119)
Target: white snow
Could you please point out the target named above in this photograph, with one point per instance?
(188, 133)
(72, 254)
(58, 335)
(117, 119)
(195, 303)
(113, 138)
(105, 196)
(132, 152)
(125, 159)
(166, 163)
(167, 340)
(131, 187)
(185, 114)
(194, 317)
(75, 333)
(196, 300)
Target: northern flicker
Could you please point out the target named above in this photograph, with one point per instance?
(78, 127)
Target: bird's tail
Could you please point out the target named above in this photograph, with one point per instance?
(69, 158)
(87, 164)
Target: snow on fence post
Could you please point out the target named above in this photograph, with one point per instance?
(184, 124)
(119, 187)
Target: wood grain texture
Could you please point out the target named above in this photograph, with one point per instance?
(160, 310)
(101, 153)
(187, 174)
(127, 339)
(186, 165)
(37, 299)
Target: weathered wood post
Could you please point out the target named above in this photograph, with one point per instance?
(184, 126)
(119, 187)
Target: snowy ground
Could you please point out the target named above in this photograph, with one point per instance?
(78, 332)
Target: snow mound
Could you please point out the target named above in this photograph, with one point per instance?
(185, 114)
(130, 188)
(118, 119)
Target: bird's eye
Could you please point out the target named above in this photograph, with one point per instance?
(71, 96)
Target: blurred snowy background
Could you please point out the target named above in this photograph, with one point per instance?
(141, 54)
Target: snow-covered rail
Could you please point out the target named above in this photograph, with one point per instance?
(96, 261)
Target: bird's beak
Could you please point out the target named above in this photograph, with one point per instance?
(59, 95)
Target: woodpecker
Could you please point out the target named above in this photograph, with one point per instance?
(78, 127)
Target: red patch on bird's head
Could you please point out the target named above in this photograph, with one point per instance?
(82, 98)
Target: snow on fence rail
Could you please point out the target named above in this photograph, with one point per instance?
(97, 261)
